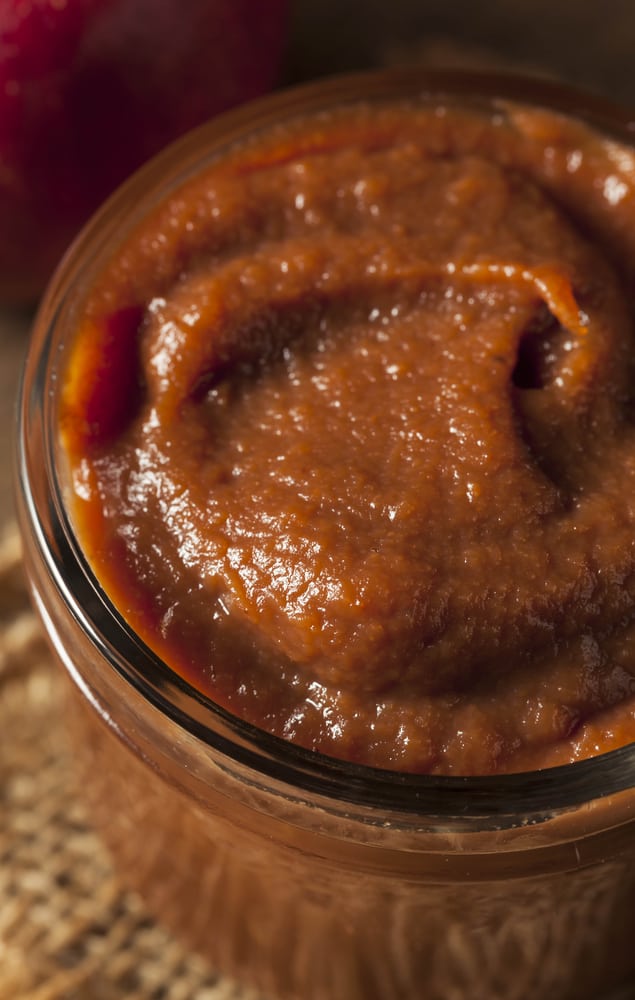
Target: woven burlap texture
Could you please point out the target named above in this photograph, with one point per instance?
(68, 930)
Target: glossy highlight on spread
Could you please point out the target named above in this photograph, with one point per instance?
(349, 423)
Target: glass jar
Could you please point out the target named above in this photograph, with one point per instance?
(307, 877)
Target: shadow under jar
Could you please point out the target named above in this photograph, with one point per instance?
(311, 864)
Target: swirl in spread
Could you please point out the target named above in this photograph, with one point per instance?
(350, 427)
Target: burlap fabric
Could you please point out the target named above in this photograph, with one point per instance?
(68, 929)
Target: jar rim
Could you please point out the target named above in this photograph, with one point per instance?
(495, 800)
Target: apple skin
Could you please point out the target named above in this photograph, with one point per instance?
(90, 89)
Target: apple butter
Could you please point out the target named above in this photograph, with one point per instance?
(349, 421)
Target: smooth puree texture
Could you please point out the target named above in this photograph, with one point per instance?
(349, 422)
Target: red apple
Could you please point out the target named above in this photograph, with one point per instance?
(89, 89)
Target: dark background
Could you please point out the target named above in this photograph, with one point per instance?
(587, 42)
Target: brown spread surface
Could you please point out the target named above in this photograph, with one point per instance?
(351, 436)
